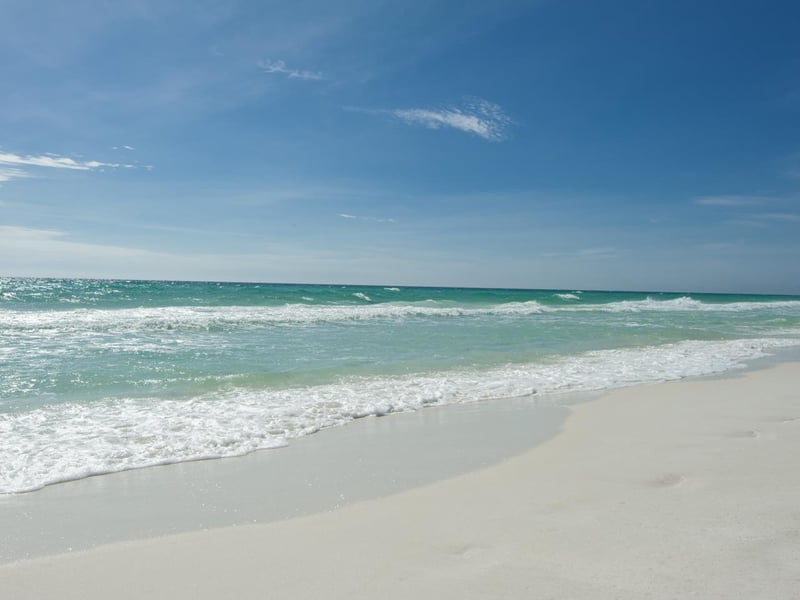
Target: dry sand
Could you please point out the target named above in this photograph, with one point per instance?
(688, 489)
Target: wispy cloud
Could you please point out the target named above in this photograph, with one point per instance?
(373, 219)
(749, 218)
(783, 217)
(764, 220)
(7, 174)
(718, 246)
(10, 164)
(123, 148)
(279, 67)
(55, 162)
(752, 223)
(589, 253)
(731, 200)
(791, 166)
(54, 252)
(475, 116)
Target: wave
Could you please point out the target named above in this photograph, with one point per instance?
(687, 303)
(72, 441)
(194, 318)
(182, 317)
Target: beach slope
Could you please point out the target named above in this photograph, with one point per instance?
(662, 491)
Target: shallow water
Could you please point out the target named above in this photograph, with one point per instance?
(104, 376)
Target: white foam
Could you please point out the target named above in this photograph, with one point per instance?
(71, 441)
(194, 317)
(686, 303)
(567, 296)
(185, 317)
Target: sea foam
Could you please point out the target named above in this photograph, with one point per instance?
(70, 441)
(201, 317)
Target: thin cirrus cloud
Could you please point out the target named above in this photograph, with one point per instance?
(373, 219)
(10, 164)
(279, 67)
(7, 174)
(730, 200)
(757, 220)
(475, 116)
(781, 217)
(588, 253)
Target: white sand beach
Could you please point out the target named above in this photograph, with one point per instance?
(686, 489)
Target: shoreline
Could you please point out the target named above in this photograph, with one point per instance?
(556, 398)
(660, 490)
(367, 458)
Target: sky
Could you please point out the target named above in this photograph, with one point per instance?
(594, 144)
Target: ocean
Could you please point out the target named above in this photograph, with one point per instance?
(99, 376)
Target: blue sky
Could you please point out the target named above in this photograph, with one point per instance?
(651, 145)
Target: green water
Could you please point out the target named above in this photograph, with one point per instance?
(101, 375)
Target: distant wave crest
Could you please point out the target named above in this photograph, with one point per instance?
(185, 317)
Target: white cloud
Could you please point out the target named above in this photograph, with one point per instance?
(9, 173)
(49, 161)
(279, 66)
(27, 234)
(477, 117)
(53, 161)
(123, 148)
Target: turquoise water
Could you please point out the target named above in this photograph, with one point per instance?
(100, 376)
